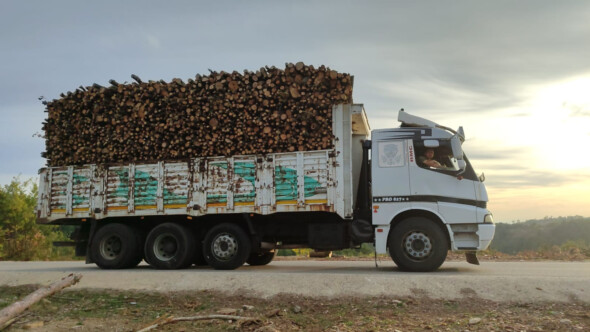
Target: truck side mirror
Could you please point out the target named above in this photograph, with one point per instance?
(456, 147)
(462, 165)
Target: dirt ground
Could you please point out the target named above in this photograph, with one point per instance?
(88, 310)
(108, 310)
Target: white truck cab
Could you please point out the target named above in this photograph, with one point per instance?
(413, 202)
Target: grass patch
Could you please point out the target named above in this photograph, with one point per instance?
(131, 310)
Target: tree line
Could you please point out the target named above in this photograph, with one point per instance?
(542, 234)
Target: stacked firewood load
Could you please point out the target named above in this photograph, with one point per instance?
(270, 110)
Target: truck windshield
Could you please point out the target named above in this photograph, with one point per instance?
(469, 173)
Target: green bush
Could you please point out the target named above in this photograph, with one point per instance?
(286, 252)
(366, 250)
(20, 237)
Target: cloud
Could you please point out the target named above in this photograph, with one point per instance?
(480, 152)
(520, 114)
(517, 168)
(21, 150)
(577, 110)
(153, 41)
(475, 64)
(516, 178)
(475, 58)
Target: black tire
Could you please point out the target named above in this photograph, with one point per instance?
(170, 246)
(261, 258)
(116, 246)
(226, 247)
(418, 244)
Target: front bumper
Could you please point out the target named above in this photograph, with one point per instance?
(486, 235)
(471, 237)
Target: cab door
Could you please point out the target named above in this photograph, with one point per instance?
(390, 179)
(455, 198)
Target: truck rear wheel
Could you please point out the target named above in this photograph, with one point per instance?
(418, 244)
(226, 247)
(116, 246)
(261, 258)
(170, 246)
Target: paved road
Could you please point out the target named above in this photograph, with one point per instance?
(498, 281)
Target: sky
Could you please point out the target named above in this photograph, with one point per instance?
(514, 74)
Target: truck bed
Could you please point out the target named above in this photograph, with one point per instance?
(320, 180)
(300, 181)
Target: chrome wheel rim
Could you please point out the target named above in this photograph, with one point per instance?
(224, 246)
(165, 247)
(417, 245)
(110, 247)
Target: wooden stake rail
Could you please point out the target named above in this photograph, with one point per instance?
(270, 110)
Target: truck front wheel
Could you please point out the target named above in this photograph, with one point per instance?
(418, 244)
(116, 246)
(170, 246)
(226, 247)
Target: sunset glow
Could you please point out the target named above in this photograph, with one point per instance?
(561, 112)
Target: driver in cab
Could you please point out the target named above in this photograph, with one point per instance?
(428, 159)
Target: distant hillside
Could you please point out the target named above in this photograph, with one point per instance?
(541, 234)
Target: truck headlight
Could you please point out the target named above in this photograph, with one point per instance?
(488, 219)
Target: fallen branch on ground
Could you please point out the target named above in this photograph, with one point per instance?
(8, 314)
(168, 320)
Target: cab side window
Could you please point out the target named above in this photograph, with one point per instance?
(440, 158)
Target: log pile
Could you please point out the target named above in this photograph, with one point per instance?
(269, 110)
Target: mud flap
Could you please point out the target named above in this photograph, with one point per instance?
(93, 229)
(471, 257)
